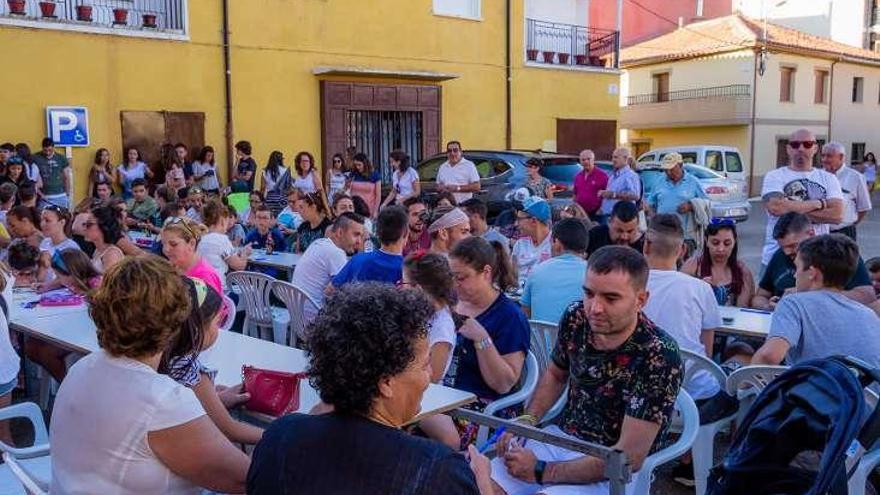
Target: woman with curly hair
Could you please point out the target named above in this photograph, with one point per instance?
(308, 180)
(154, 434)
(380, 332)
(181, 362)
(104, 230)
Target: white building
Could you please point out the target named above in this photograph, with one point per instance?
(708, 83)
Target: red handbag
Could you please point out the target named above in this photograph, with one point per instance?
(275, 393)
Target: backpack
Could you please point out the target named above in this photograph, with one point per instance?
(816, 406)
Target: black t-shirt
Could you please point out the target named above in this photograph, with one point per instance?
(308, 234)
(333, 453)
(779, 275)
(248, 165)
(600, 236)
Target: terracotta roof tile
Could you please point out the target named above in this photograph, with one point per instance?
(733, 33)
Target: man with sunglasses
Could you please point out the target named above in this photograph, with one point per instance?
(800, 188)
(457, 174)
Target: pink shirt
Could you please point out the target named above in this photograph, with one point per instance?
(204, 271)
(587, 187)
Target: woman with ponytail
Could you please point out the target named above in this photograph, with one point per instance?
(493, 341)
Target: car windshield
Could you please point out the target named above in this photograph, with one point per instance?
(734, 163)
(701, 172)
(560, 170)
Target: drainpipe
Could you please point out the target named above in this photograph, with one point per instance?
(508, 125)
(753, 121)
(227, 89)
(831, 96)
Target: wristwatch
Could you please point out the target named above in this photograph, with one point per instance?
(539, 471)
(483, 344)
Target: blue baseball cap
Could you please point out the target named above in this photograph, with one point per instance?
(537, 208)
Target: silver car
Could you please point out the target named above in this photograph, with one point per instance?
(728, 196)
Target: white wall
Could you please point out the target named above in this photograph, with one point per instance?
(840, 20)
(563, 11)
(719, 70)
(803, 107)
(853, 122)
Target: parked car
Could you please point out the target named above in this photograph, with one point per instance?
(502, 172)
(726, 160)
(727, 196)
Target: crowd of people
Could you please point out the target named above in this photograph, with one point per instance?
(411, 289)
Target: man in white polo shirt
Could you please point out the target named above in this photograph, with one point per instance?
(856, 198)
(458, 175)
(325, 257)
(534, 222)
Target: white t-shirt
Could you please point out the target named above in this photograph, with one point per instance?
(404, 184)
(47, 246)
(104, 410)
(684, 306)
(527, 255)
(214, 248)
(9, 360)
(461, 174)
(798, 186)
(321, 261)
(441, 328)
(856, 197)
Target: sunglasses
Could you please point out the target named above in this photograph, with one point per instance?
(797, 144)
(722, 221)
(182, 223)
(523, 217)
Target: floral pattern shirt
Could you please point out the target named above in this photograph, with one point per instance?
(639, 379)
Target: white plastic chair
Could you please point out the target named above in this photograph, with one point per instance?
(259, 314)
(704, 446)
(543, 338)
(31, 486)
(687, 416)
(295, 299)
(32, 463)
(747, 382)
(527, 384)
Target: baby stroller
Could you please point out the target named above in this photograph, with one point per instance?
(804, 434)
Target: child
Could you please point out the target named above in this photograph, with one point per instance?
(265, 234)
(235, 232)
(181, 362)
(23, 260)
(290, 219)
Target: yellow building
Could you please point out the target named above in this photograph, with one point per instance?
(718, 82)
(312, 75)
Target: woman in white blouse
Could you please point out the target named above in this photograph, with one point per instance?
(404, 180)
(118, 425)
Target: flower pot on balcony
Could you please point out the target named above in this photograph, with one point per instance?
(84, 13)
(47, 9)
(548, 57)
(563, 58)
(16, 6)
(120, 16)
(580, 59)
(531, 53)
(149, 20)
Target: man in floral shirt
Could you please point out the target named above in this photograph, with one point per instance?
(623, 373)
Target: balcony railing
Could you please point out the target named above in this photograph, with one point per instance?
(730, 91)
(168, 16)
(569, 45)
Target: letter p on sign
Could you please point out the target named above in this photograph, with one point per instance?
(68, 126)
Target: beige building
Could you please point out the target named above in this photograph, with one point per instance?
(719, 82)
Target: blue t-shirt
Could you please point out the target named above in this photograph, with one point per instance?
(373, 177)
(668, 195)
(375, 266)
(509, 329)
(258, 241)
(553, 285)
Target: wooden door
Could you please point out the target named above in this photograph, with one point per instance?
(574, 135)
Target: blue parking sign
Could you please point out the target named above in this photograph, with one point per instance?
(68, 126)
